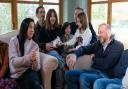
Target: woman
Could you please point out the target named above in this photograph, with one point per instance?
(83, 34)
(24, 58)
(48, 34)
(5, 81)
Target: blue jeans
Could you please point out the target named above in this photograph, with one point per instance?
(113, 86)
(30, 80)
(106, 83)
(82, 79)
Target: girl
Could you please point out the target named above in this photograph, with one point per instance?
(24, 58)
(83, 34)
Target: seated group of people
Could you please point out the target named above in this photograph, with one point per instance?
(78, 38)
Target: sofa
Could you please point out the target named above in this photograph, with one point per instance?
(48, 63)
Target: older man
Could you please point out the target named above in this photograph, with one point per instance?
(106, 52)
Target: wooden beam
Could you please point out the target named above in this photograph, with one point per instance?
(4, 1)
(37, 2)
(89, 10)
(61, 11)
(109, 15)
(119, 0)
(14, 14)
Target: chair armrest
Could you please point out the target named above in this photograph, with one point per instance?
(48, 65)
(84, 62)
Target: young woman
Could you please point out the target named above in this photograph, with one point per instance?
(45, 41)
(83, 34)
(24, 60)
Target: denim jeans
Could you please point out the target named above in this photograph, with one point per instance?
(106, 83)
(30, 80)
(82, 79)
(58, 74)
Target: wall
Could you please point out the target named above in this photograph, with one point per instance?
(69, 7)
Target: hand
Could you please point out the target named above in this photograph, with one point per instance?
(92, 55)
(33, 56)
(60, 44)
(71, 50)
(71, 60)
(49, 46)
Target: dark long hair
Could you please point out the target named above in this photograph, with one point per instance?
(22, 36)
(48, 23)
(65, 25)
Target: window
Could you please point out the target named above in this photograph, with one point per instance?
(5, 18)
(115, 13)
(120, 21)
(14, 11)
(99, 15)
(26, 10)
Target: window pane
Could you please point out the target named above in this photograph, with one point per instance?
(52, 1)
(56, 7)
(99, 15)
(120, 21)
(26, 10)
(98, 0)
(5, 18)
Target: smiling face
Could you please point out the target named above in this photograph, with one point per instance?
(52, 18)
(41, 14)
(68, 30)
(30, 31)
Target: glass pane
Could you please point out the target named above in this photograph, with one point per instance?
(99, 15)
(56, 7)
(120, 21)
(98, 0)
(51, 1)
(26, 10)
(5, 18)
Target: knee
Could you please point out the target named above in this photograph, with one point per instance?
(113, 86)
(35, 84)
(110, 86)
(98, 84)
(83, 79)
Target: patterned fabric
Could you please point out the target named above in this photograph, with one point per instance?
(8, 84)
